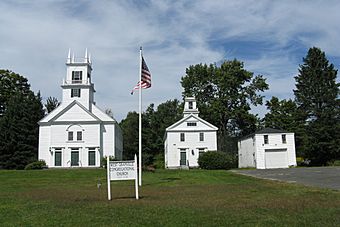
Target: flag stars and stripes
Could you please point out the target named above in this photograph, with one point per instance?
(146, 78)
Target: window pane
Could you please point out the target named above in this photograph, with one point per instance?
(76, 77)
(182, 137)
(284, 138)
(190, 105)
(79, 135)
(191, 124)
(201, 136)
(75, 92)
(70, 136)
(265, 137)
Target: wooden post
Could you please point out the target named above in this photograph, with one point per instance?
(108, 179)
(136, 180)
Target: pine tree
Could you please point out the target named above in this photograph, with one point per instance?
(51, 104)
(317, 99)
(19, 130)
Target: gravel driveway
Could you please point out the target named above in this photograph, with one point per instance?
(324, 177)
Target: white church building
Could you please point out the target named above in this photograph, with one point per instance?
(188, 138)
(77, 133)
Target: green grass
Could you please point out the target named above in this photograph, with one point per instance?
(168, 198)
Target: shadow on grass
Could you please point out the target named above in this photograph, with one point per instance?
(164, 180)
(126, 198)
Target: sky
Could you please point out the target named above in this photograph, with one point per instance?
(270, 37)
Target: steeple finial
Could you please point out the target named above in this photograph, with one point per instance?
(73, 59)
(69, 56)
(90, 58)
(86, 56)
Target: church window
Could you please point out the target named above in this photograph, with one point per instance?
(79, 136)
(182, 137)
(201, 136)
(191, 124)
(75, 92)
(77, 77)
(70, 136)
(190, 105)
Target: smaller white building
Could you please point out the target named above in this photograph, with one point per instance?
(267, 149)
(188, 138)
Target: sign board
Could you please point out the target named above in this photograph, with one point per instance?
(124, 170)
(121, 170)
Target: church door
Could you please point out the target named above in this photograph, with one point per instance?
(75, 157)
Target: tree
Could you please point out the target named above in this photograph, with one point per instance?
(18, 124)
(224, 95)
(51, 104)
(157, 121)
(154, 123)
(11, 84)
(129, 127)
(317, 100)
(283, 114)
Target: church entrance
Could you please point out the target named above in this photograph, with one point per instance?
(74, 157)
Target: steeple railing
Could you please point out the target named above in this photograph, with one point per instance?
(76, 82)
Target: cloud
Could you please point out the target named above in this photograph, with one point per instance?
(271, 37)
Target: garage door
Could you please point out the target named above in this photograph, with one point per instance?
(276, 158)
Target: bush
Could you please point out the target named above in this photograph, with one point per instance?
(334, 163)
(300, 161)
(147, 159)
(36, 165)
(159, 161)
(217, 160)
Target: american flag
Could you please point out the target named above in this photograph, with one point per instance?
(146, 78)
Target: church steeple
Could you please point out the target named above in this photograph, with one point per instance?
(77, 84)
(190, 106)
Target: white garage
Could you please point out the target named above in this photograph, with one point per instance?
(267, 149)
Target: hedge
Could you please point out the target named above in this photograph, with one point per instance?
(217, 160)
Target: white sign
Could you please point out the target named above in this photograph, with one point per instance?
(124, 170)
(121, 170)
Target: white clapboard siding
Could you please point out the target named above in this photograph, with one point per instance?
(253, 152)
(246, 153)
(75, 113)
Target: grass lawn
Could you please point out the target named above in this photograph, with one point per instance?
(168, 198)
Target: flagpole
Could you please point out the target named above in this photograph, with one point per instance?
(140, 118)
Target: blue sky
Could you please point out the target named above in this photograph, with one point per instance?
(270, 37)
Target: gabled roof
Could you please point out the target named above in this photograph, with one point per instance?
(270, 130)
(173, 126)
(91, 116)
(96, 115)
(264, 131)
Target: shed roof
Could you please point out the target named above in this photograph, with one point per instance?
(264, 131)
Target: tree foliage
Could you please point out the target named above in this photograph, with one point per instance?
(283, 114)
(224, 97)
(51, 104)
(19, 131)
(154, 123)
(317, 98)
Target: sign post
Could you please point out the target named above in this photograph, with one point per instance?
(121, 170)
